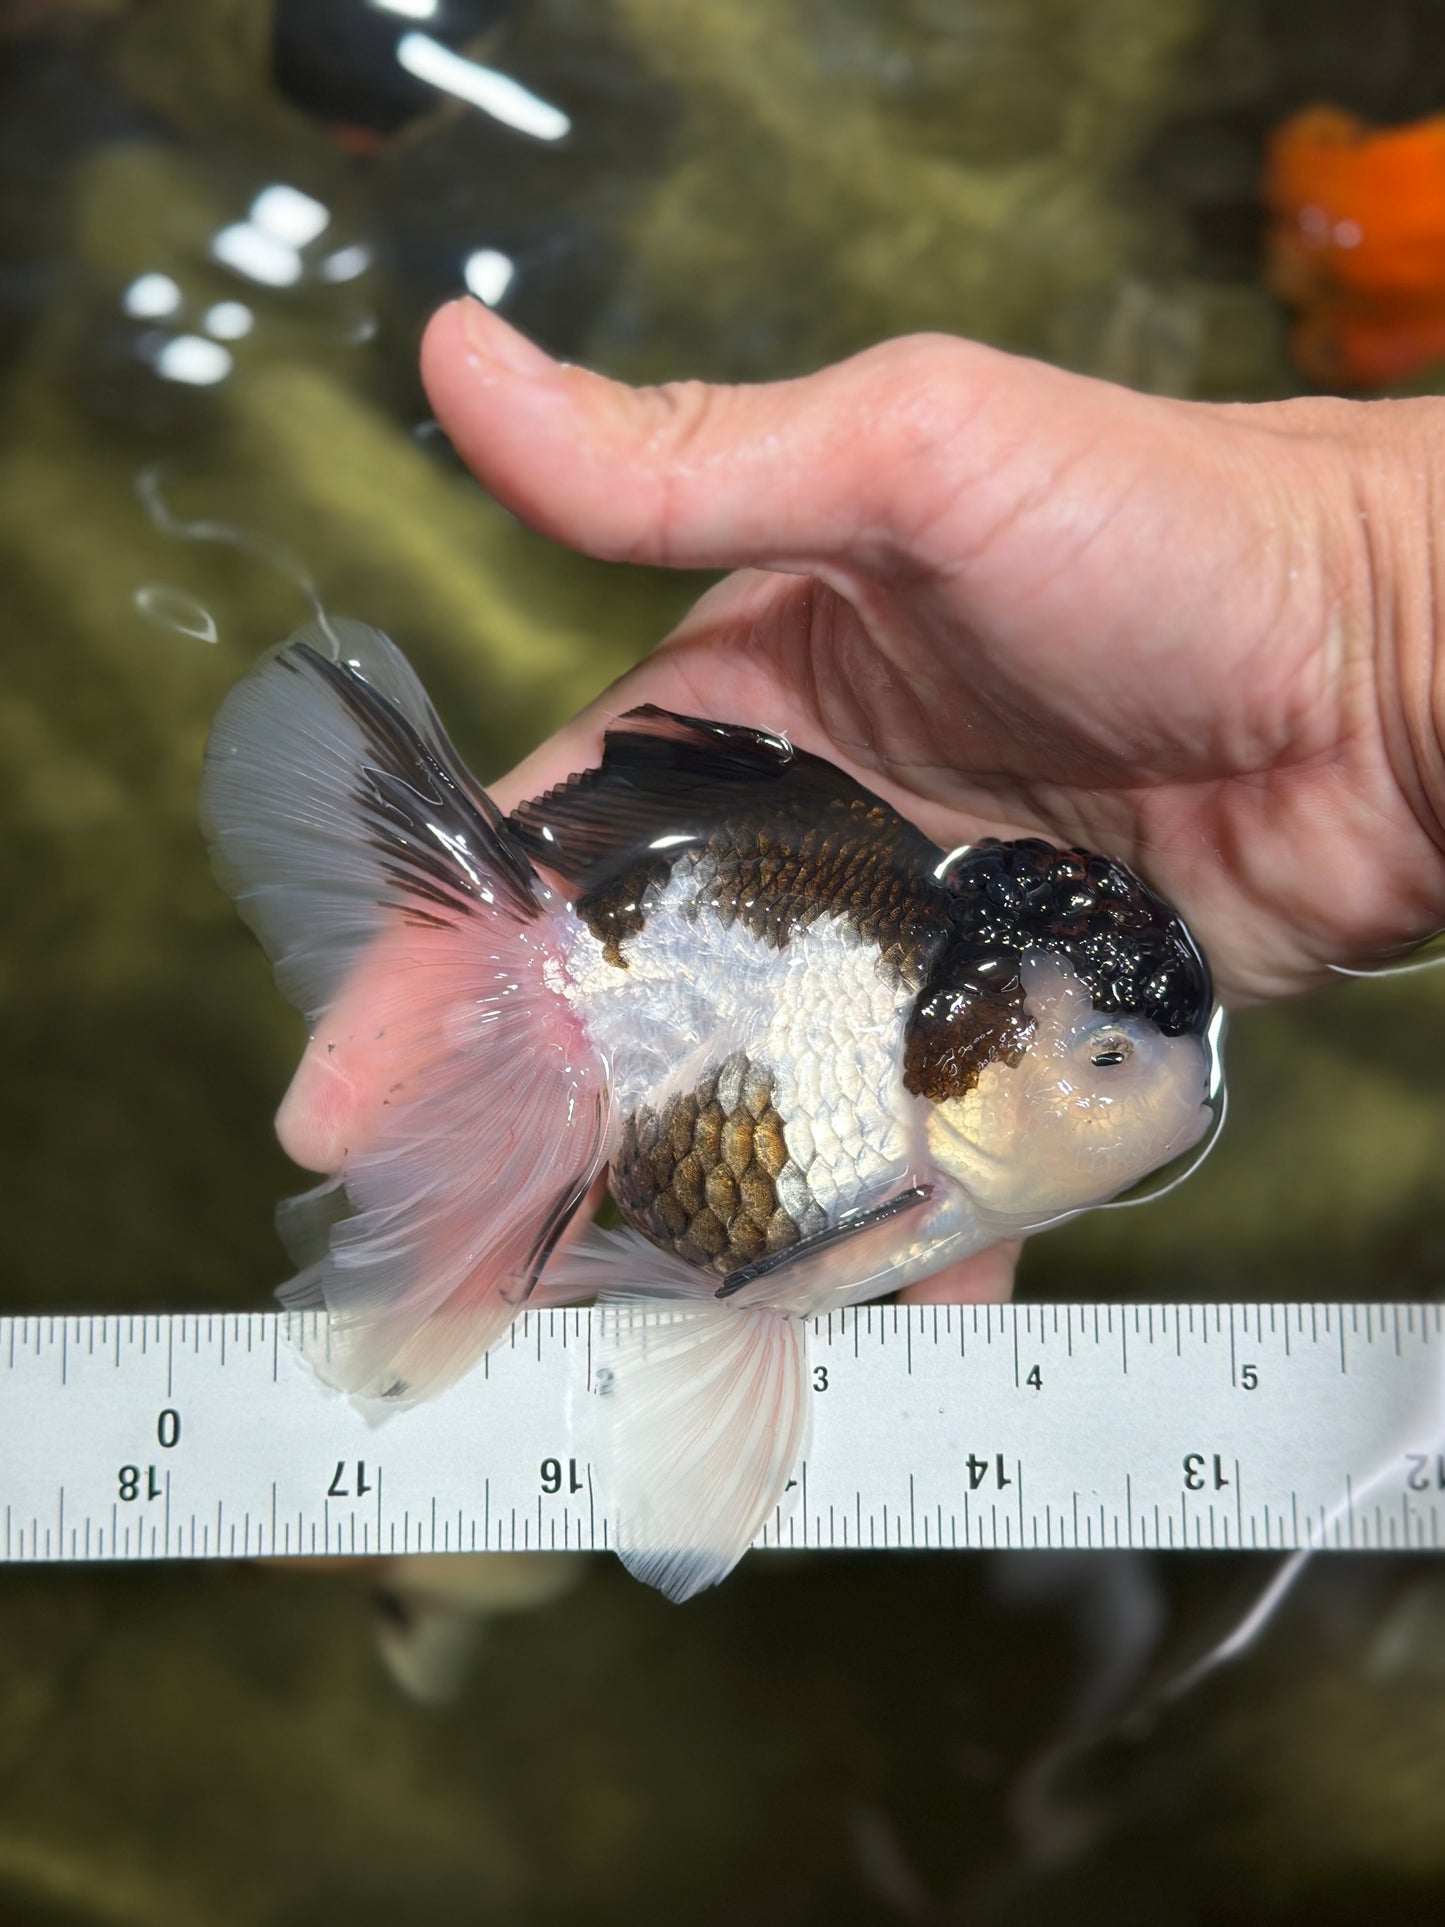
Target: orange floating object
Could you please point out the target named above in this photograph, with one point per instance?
(1357, 243)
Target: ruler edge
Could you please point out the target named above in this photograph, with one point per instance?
(539, 1324)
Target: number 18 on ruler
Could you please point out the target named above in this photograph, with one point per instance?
(1186, 1426)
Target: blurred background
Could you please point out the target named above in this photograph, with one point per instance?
(222, 225)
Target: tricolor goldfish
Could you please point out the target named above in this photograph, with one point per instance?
(818, 1057)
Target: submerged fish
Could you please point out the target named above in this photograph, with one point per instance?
(818, 1058)
(1356, 244)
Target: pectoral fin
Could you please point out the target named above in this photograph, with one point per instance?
(850, 1225)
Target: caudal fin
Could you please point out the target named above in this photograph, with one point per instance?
(344, 824)
(703, 1413)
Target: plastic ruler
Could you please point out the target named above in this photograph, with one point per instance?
(1186, 1426)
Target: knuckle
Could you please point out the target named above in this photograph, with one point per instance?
(675, 417)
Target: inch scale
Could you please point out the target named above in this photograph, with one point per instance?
(1278, 1427)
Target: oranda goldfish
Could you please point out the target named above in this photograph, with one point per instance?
(817, 1056)
(1357, 244)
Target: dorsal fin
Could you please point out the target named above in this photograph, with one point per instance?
(782, 838)
(669, 782)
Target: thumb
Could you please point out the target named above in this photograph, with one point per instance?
(985, 1279)
(843, 465)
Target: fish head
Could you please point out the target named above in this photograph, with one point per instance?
(1089, 1102)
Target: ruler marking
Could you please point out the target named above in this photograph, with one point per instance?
(917, 1399)
(1019, 1475)
(1238, 1501)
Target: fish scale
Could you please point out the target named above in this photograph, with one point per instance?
(818, 1089)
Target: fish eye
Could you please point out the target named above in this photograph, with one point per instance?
(1113, 1049)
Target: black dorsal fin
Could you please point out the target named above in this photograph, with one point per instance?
(667, 782)
(789, 838)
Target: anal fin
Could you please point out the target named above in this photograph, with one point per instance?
(704, 1417)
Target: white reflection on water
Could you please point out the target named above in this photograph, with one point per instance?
(193, 360)
(259, 255)
(264, 547)
(150, 297)
(488, 274)
(497, 94)
(347, 263)
(228, 320)
(289, 214)
(171, 608)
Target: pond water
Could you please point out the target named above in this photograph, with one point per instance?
(222, 225)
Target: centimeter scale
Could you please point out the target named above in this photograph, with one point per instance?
(1280, 1427)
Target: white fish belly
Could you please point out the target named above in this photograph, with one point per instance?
(818, 1017)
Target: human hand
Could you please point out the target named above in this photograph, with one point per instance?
(1012, 601)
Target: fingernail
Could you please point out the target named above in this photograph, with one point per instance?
(494, 340)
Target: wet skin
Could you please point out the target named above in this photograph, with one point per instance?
(1013, 601)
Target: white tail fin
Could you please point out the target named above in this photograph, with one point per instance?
(704, 1415)
(341, 818)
